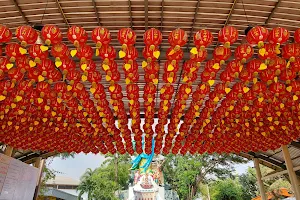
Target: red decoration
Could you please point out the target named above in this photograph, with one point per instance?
(26, 35)
(51, 34)
(101, 36)
(257, 35)
(5, 34)
(126, 37)
(60, 51)
(77, 35)
(278, 35)
(203, 38)
(228, 35)
(152, 38)
(177, 38)
(12, 50)
(36, 53)
(243, 52)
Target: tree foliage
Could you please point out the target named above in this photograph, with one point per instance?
(227, 189)
(103, 182)
(185, 173)
(249, 184)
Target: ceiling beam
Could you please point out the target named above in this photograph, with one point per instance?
(295, 144)
(130, 13)
(62, 12)
(272, 12)
(230, 12)
(146, 4)
(96, 12)
(20, 11)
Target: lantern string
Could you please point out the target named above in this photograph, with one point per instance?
(44, 11)
(245, 11)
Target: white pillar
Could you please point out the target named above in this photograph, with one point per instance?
(292, 174)
(259, 181)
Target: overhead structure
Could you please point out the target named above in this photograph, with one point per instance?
(193, 106)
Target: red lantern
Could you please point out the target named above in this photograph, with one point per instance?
(177, 55)
(51, 34)
(54, 76)
(126, 37)
(12, 50)
(67, 65)
(152, 38)
(199, 57)
(15, 75)
(34, 74)
(84, 52)
(26, 35)
(60, 51)
(151, 54)
(278, 35)
(107, 54)
(5, 34)
(257, 35)
(77, 35)
(291, 51)
(228, 35)
(243, 52)
(101, 36)
(203, 38)
(46, 66)
(4, 67)
(22, 62)
(221, 54)
(277, 64)
(36, 53)
(177, 38)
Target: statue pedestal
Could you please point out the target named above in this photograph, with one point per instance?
(146, 189)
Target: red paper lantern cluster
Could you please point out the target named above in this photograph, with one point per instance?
(45, 104)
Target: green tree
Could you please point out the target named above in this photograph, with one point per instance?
(228, 189)
(249, 184)
(186, 173)
(87, 184)
(105, 181)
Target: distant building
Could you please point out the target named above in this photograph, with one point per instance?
(61, 188)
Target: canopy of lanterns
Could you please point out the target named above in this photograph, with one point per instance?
(44, 104)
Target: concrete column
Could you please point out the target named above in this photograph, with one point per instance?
(41, 167)
(292, 175)
(259, 181)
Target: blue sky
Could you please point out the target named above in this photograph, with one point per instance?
(75, 167)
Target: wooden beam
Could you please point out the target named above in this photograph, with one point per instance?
(96, 12)
(62, 12)
(20, 11)
(290, 169)
(272, 12)
(8, 151)
(162, 15)
(39, 180)
(259, 181)
(130, 13)
(146, 13)
(230, 12)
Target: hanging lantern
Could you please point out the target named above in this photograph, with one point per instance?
(101, 36)
(84, 52)
(152, 38)
(46, 66)
(54, 76)
(277, 64)
(15, 75)
(228, 35)
(199, 57)
(278, 35)
(26, 35)
(177, 55)
(66, 65)
(221, 54)
(4, 65)
(257, 35)
(14, 50)
(77, 35)
(22, 62)
(60, 51)
(126, 37)
(203, 38)
(107, 54)
(37, 54)
(5, 34)
(34, 74)
(290, 52)
(51, 34)
(177, 38)
(243, 52)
